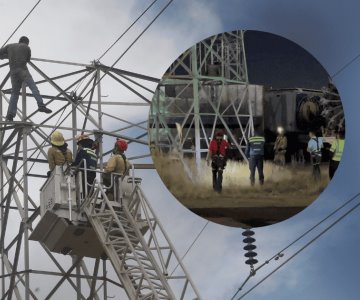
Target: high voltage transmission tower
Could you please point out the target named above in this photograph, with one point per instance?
(81, 243)
(205, 88)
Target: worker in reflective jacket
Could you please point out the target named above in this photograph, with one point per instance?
(255, 153)
(86, 152)
(217, 155)
(336, 150)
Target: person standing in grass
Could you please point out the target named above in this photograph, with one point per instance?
(336, 150)
(217, 154)
(314, 147)
(255, 153)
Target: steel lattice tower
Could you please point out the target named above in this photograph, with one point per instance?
(76, 96)
(205, 88)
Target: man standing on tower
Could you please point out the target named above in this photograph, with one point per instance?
(19, 55)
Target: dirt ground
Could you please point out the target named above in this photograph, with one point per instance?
(286, 191)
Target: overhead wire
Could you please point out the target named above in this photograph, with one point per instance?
(301, 236)
(133, 43)
(132, 24)
(16, 29)
(346, 66)
(190, 247)
(304, 247)
(316, 225)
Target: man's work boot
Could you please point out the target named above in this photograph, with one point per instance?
(44, 109)
(9, 118)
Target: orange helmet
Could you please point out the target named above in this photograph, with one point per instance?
(122, 145)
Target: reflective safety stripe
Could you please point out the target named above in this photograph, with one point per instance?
(337, 148)
(256, 139)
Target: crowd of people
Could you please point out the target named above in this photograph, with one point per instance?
(217, 154)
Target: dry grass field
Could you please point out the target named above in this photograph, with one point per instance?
(286, 191)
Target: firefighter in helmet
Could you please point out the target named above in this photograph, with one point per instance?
(217, 155)
(86, 152)
(58, 154)
(118, 163)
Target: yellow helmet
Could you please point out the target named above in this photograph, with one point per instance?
(57, 138)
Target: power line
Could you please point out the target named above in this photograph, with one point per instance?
(192, 244)
(21, 22)
(144, 12)
(346, 65)
(132, 44)
(304, 247)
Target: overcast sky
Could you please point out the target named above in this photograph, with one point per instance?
(81, 30)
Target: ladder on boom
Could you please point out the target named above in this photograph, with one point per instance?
(136, 244)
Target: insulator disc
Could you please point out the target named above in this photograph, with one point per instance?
(249, 240)
(249, 247)
(250, 254)
(248, 233)
(251, 261)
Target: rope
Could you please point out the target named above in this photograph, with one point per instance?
(21, 22)
(137, 19)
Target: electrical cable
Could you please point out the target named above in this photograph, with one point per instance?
(132, 24)
(346, 65)
(191, 245)
(132, 44)
(303, 235)
(21, 23)
(302, 248)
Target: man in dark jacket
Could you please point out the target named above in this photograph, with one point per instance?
(86, 152)
(19, 55)
(217, 154)
(255, 154)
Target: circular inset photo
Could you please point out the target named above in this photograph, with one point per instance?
(246, 128)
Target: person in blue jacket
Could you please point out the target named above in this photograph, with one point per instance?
(255, 153)
(86, 153)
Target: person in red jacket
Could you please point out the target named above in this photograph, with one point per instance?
(217, 155)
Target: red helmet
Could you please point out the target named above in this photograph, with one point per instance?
(122, 145)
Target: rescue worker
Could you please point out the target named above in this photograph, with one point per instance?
(255, 153)
(86, 152)
(280, 147)
(217, 155)
(118, 163)
(58, 154)
(19, 55)
(336, 150)
(314, 147)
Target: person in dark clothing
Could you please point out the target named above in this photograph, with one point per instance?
(217, 154)
(19, 55)
(314, 147)
(86, 152)
(255, 153)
